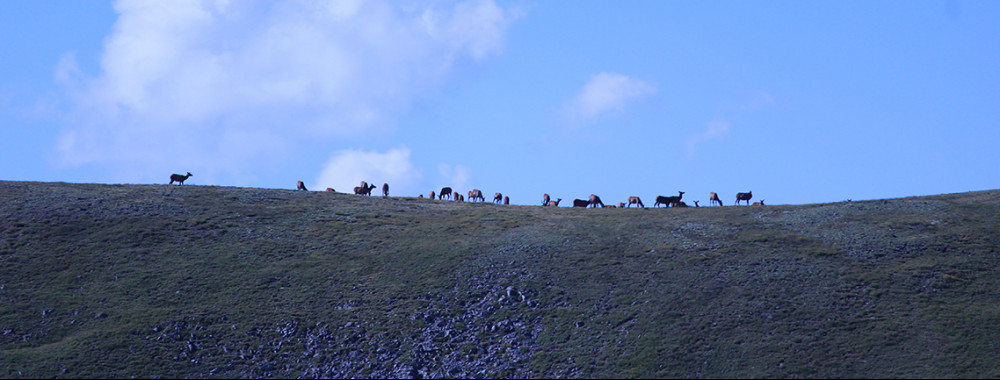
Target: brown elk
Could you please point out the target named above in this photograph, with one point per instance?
(595, 200)
(669, 201)
(432, 195)
(744, 197)
(179, 178)
(713, 198)
(330, 189)
(609, 206)
(367, 190)
(506, 200)
(497, 198)
(621, 205)
(761, 203)
(459, 197)
(635, 200)
(554, 203)
(476, 194)
(445, 191)
(546, 200)
(385, 189)
(301, 186)
(581, 203)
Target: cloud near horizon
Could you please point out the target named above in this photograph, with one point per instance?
(347, 168)
(234, 82)
(604, 93)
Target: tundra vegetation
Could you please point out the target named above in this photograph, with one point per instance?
(116, 281)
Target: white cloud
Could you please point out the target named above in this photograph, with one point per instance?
(606, 92)
(347, 168)
(714, 130)
(178, 76)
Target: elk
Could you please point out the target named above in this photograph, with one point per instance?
(581, 203)
(761, 203)
(476, 194)
(445, 191)
(678, 204)
(330, 189)
(743, 197)
(712, 198)
(635, 200)
(459, 197)
(301, 186)
(621, 205)
(546, 200)
(554, 203)
(696, 204)
(506, 200)
(179, 178)
(367, 190)
(432, 195)
(497, 198)
(669, 201)
(385, 189)
(595, 200)
(609, 206)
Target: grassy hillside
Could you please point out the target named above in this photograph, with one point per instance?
(196, 281)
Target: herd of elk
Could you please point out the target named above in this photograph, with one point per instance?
(498, 198)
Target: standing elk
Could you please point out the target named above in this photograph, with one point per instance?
(301, 186)
(546, 200)
(497, 198)
(669, 201)
(506, 200)
(744, 197)
(476, 194)
(581, 203)
(445, 191)
(179, 178)
(595, 200)
(635, 200)
(713, 198)
(385, 189)
(367, 190)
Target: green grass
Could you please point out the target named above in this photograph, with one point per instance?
(195, 281)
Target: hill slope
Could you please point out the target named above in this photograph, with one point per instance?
(195, 281)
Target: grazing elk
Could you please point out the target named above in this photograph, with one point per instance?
(445, 191)
(432, 195)
(497, 198)
(506, 200)
(635, 200)
(581, 203)
(669, 201)
(595, 200)
(179, 178)
(301, 186)
(744, 197)
(761, 203)
(554, 203)
(385, 189)
(459, 197)
(713, 198)
(476, 194)
(546, 200)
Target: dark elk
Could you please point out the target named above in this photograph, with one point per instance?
(744, 197)
(445, 192)
(301, 186)
(581, 203)
(506, 200)
(668, 201)
(546, 200)
(635, 200)
(713, 198)
(366, 190)
(497, 198)
(385, 189)
(179, 178)
(595, 200)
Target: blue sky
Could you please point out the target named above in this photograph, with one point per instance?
(799, 102)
